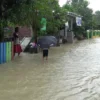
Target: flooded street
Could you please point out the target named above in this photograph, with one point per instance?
(71, 73)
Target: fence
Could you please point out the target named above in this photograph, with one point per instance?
(6, 52)
(93, 34)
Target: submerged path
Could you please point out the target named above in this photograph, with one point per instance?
(71, 73)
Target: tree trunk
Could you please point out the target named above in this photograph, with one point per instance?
(35, 37)
(34, 32)
(1, 31)
(31, 31)
(2, 19)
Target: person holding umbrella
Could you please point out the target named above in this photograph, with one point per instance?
(45, 52)
(45, 42)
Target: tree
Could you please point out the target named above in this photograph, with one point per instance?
(31, 13)
(96, 17)
(5, 5)
(81, 8)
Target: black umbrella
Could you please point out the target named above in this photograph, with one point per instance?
(47, 41)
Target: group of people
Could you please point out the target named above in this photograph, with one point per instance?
(17, 46)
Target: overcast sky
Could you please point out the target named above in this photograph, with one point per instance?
(94, 4)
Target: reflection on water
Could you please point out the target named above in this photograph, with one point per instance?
(71, 73)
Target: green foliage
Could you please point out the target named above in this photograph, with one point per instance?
(96, 20)
(30, 12)
(81, 8)
(3, 23)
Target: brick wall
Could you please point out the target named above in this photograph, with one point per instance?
(24, 32)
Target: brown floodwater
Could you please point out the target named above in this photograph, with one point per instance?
(72, 72)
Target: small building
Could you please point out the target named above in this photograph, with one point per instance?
(68, 32)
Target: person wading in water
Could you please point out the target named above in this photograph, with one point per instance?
(17, 47)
